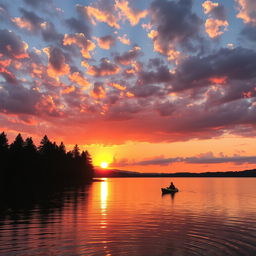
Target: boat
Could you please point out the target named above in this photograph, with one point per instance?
(169, 190)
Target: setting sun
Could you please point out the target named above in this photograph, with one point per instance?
(104, 165)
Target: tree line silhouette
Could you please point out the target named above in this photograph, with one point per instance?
(22, 163)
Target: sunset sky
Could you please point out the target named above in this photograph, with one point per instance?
(149, 86)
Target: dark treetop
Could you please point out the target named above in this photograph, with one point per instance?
(24, 165)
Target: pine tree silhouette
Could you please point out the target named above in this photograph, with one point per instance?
(22, 163)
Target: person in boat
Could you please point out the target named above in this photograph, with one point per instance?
(172, 186)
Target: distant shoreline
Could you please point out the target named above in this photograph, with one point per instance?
(114, 173)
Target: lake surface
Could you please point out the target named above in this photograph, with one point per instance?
(129, 216)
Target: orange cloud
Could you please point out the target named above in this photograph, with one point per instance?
(129, 94)
(22, 23)
(213, 27)
(48, 105)
(80, 40)
(209, 6)
(105, 42)
(5, 63)
(247, 11)
(95, 14)
(171, 52)
(133, 16)
(123, 39)
(98, 92)
(76, 77)
(52, 72)
(218, 80)
(37, 70)
(118, 86)
(69, 89)
(56, 66)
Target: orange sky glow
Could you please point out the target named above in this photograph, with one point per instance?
(138, 86)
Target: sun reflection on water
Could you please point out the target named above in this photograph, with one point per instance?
(104, 198)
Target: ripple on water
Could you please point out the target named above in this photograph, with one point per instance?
(142, 225)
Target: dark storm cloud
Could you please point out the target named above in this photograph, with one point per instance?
(199, 120)
(128, 57)
(166, 108)
(236, 64)
(38, 25)
(49, 32)
(160, 75)
(9, 77)
(12, 45)
(155, 62)
(106, 68)
(195, 160)
(123, 111)
(249, 32)
(175, 23)
(56, 59)
(146, 90)
(15, 98)
(32, 18)
(218, 12)
(78, 26)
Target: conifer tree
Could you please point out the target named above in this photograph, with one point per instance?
(76, 152)
(3, 142)
(29, 146)
(18, 145)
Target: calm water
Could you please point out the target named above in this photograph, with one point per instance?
(129, 216)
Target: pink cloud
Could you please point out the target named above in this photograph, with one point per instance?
(133, 16)
(95, 14)
(81, 41)
(247, 11)
(213, 27)
(106, 68)
(105, 42)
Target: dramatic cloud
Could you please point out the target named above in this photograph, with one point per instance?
(98, 91)
(176, 26)
(80, 41)
(133, 16)
(247, 11)
(229, 63)
(216, 10)
(12, 45)
(139, 71)
(105, 42)
(79, 79)
(106, 68)
(208, 158)
(217, 20)
(96, 14)
(78, 26)
(35, 24)
(128, 57)
(213, 27)
(57, 65)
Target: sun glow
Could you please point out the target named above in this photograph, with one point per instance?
(104, 165)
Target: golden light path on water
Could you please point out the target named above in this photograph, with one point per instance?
(104, 197)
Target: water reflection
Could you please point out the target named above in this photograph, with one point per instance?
(131, 217)
(104, 197)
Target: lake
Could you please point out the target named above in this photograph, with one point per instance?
(130, 216)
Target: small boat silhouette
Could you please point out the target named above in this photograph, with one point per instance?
(169, 190)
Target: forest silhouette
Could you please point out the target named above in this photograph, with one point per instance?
(23, 164)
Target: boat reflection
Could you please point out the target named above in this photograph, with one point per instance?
(172, 195)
